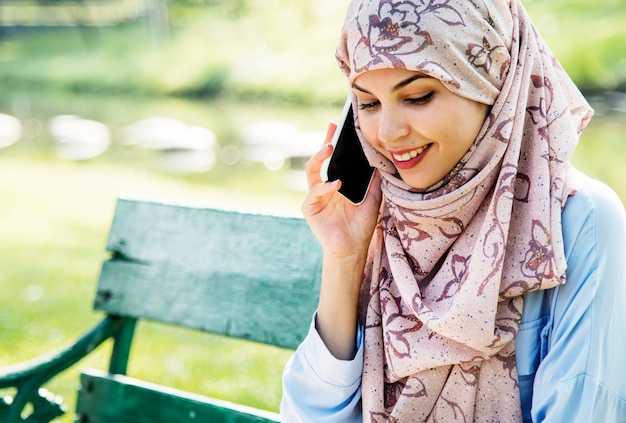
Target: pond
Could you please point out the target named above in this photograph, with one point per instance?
(198, 141)
(256, 146)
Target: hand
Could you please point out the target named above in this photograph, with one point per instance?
(342, 227)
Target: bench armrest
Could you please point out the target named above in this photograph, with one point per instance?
(28, 377)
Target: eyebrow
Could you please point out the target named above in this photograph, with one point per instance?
(398, 86)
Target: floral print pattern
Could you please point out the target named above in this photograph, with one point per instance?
(394, 30)
(443, 295)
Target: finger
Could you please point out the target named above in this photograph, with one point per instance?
(330, 131)
(318, 196)
(325, 188)
(375, 193)
(315, 163)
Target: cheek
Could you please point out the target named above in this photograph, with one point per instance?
(467, 122)
(477, 113)
(369, 129)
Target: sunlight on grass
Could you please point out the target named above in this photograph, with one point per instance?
(601, 152)
(55, 215)
(52, 242)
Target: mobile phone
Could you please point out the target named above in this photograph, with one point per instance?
(348, 162)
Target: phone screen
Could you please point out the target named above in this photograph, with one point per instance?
(348, 162)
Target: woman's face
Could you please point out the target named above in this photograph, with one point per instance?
(416, 122)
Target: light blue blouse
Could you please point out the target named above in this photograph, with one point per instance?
(571, 346)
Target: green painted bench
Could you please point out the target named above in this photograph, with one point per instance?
(241, 275)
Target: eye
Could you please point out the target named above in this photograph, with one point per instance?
(421, 100)
(366, 106)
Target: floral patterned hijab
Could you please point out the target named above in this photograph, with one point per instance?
(443, 291)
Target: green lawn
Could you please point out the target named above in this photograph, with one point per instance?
(275, 49)
(272, 49)
(55, 220)
(55, 215)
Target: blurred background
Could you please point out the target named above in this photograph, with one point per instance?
(212, 102)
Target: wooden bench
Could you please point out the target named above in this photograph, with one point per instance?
(241, 275)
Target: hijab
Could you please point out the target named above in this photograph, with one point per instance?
(448, 266)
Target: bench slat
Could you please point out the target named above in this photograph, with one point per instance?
(105, 398)
(199, 268)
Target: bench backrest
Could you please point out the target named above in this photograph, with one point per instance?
(248, 276)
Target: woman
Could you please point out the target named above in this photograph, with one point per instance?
(483, 279)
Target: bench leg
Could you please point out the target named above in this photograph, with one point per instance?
(123, 339)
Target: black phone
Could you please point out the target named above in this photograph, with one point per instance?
(348, 162)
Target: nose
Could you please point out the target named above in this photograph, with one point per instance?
(391, 126)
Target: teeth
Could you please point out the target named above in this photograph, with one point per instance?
(409, 154)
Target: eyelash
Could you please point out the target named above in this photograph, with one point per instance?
(419, 101)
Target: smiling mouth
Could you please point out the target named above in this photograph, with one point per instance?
(408, 155)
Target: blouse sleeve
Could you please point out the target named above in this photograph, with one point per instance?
(581, 375)
(319, 388)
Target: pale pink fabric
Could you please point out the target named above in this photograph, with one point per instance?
(442, 297)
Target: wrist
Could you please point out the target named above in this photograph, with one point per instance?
(354, 257)
(336, 321)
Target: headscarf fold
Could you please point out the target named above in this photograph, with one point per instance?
(443, 291)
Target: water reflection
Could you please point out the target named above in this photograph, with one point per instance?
(218, 142)
(226, 143)
(275, 142)
(184, 148)
(10, 130)
(78, 138)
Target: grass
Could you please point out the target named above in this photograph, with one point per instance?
(275, 50)
(55, 220)
(52, 242)
(55, 215)
(601, 152)
(271, 49)
(595, 60)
